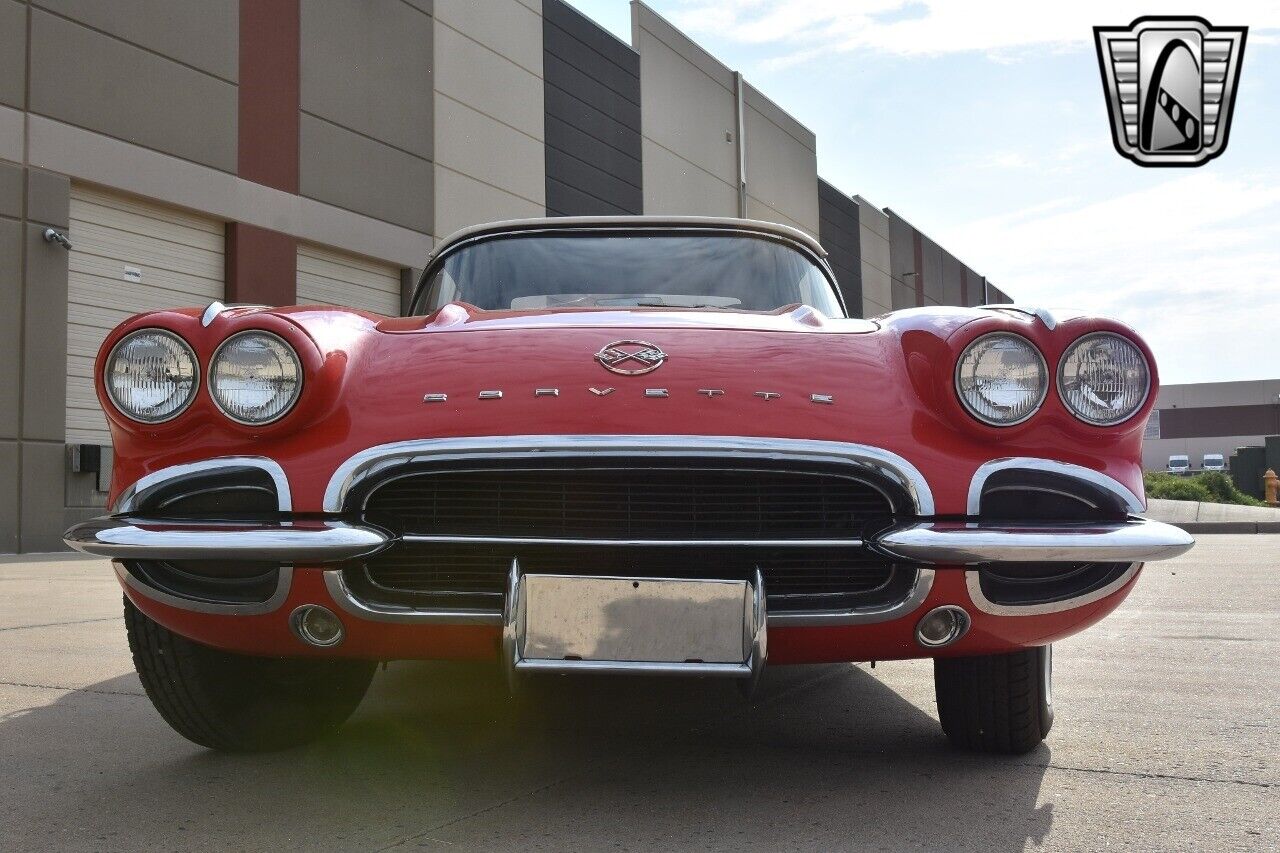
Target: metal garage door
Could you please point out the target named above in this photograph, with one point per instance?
(129, 256)
(328, 277)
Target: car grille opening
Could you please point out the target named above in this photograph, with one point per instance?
(434, 575)
(612, 511)
(213, 581)
(1029, 584)
(621, 503)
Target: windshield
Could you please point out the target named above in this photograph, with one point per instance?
(595, 270)
(1179, 460)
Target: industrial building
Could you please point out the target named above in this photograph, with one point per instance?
(282, 151)
(1210, 417)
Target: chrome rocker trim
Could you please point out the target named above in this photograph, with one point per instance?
(1136, 540)
(123, 537)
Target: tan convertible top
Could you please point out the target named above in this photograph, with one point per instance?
(579, 222)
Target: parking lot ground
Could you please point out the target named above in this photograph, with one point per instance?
(1167, 738)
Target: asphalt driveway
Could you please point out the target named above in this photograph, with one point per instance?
(1167, 737)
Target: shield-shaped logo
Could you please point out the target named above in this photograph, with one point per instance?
(1170, 85)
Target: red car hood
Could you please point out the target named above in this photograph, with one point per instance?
(370, 380)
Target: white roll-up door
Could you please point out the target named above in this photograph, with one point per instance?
(128, 256)
(329, 277)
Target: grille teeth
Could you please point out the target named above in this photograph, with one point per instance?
(606, 504)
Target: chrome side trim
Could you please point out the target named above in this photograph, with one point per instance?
(272, 604)
(135, 495)
(346, 600)
(986, 605)
(961, 543)
(1130, 501)
(633, 543)
(369, 462)
(123, 537)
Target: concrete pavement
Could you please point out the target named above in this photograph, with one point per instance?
(1166, 738)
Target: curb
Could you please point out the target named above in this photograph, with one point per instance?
(1230, 526)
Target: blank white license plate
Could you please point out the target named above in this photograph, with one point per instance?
(635, 619)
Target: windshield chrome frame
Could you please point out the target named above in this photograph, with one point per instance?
(437, 260)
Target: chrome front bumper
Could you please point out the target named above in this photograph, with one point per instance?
(1135, 540)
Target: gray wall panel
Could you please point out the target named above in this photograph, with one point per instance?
(342, 168)
(13, 53)
(9, 504)
(204, 34)
(592, 98)
(367, 67)
(131, 94)
(10, 326)
(44, 344)
(838, 231)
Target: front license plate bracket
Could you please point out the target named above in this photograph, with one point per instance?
(653, 626)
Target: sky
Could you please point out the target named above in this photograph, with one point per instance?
(983, 123)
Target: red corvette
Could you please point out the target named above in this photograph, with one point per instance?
(625, 445)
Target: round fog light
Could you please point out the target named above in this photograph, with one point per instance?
(316, 626)
(942, 626)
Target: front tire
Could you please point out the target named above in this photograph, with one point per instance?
(240, 703)
(996, 703)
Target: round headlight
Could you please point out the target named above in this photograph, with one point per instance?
(151, 376)
(255, 378)
(1002, 379)
(1103, 379)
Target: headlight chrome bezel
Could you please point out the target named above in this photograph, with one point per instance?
(964, 401)
(298, 367)
(196, 375)
(1061, 371)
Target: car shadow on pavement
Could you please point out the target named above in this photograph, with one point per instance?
(824, 757)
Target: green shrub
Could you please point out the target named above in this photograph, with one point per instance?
(1170, 488)
(1209, 487)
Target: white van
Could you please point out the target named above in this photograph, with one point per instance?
(1179, 464)
(1213, 462)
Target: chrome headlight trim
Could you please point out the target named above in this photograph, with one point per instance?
(195, 374)
(1044, 390)
(297, 363)
(1062, 364)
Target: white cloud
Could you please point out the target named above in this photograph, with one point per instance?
(1002, 29)
(1177, 261)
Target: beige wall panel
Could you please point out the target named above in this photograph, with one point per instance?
(13, 52)
(367, 67)
(672, 185)
(204, 34)
(180, 256)
(757, 209)
(468, 72)
(342, 168)
(877, 287)
(510, 28)
(131, 94)
(1247, 393)
(1156, 452)
(474, 144)
(92, 156)
(327, 277)
(463, 201)
(874, 249)
(782, 168)
(686, 112)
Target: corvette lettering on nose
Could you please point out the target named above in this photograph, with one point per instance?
(631, 358)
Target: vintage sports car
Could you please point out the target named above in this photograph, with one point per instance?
(622, 445)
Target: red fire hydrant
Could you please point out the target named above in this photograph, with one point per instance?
(1271, 487)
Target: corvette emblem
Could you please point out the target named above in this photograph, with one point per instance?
(1170, 86)
(630, 358)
